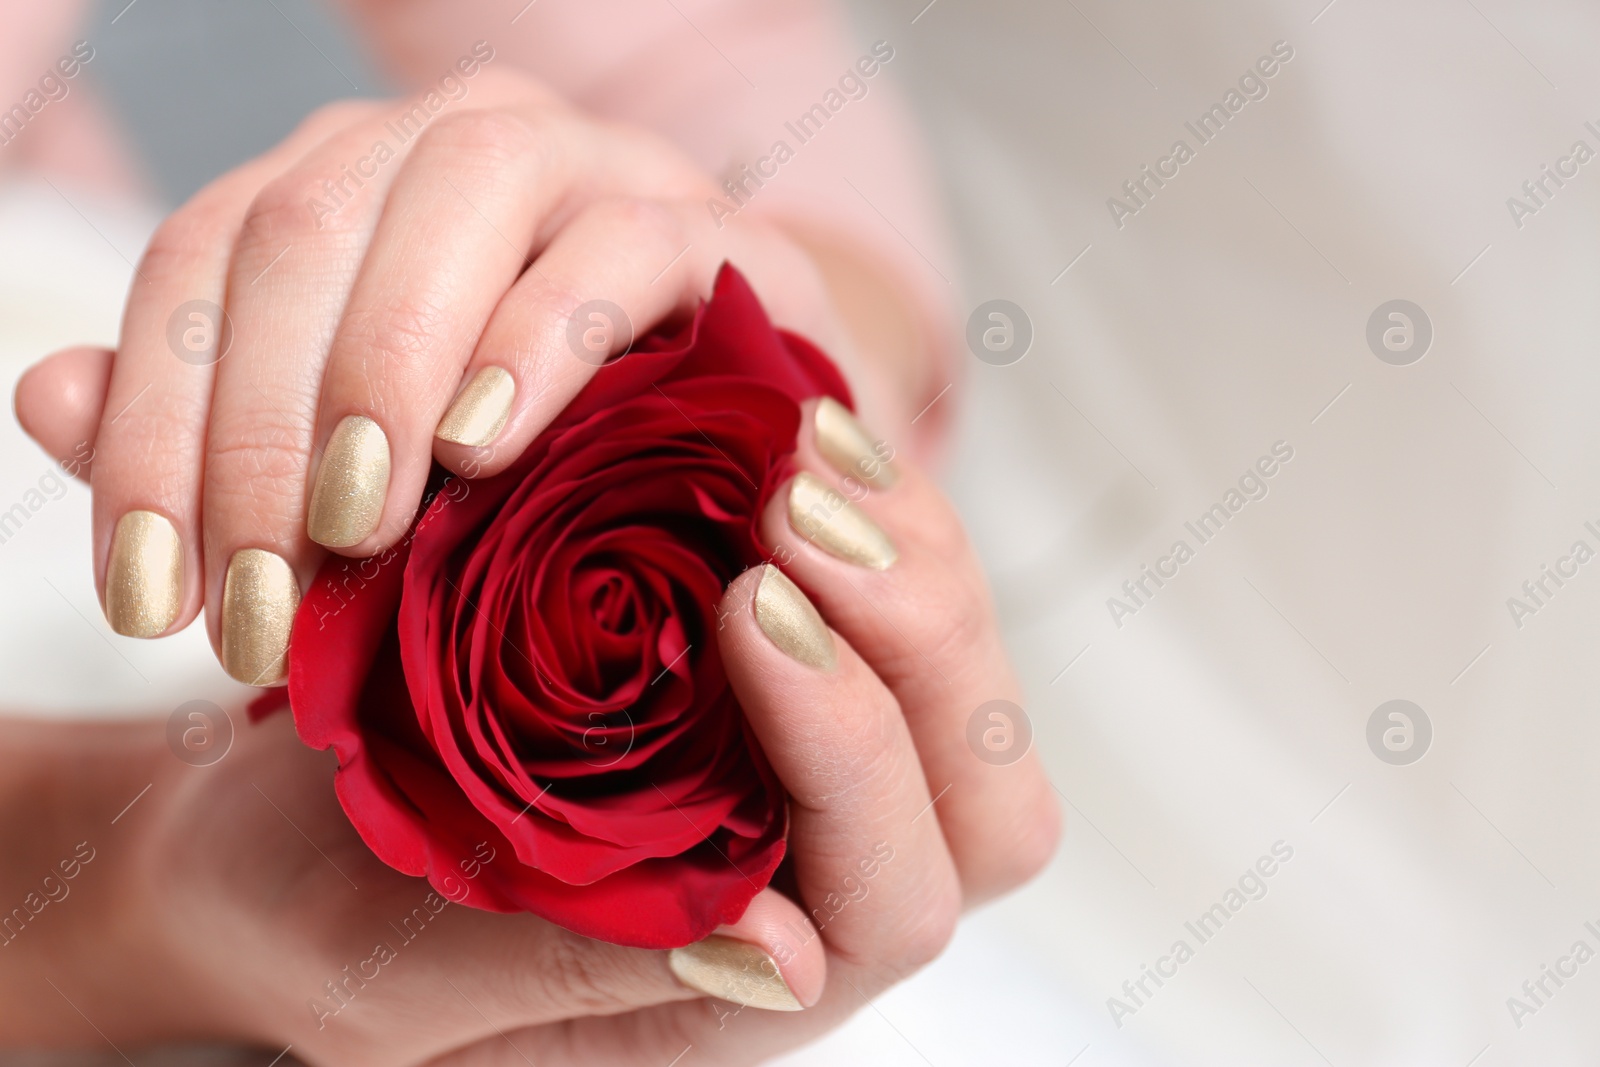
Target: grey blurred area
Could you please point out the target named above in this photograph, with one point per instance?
(202, 85)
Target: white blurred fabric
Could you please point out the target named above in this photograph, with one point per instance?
(1210, 725)
(1229, 712)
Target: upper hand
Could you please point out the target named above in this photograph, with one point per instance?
(396, 283)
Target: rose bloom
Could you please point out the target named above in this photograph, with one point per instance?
(535, 665)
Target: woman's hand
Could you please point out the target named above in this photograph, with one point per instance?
(396, 283)
(237, 902)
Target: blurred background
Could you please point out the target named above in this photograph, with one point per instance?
(1230, 315)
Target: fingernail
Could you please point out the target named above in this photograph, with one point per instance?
(479, 411)
(352, 481)
(732, 970)
(788, 617)
(845, 445)
(144, 575)
(259, 598)
(826, 518)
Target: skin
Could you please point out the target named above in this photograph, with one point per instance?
(223, 898)
(252, 859)
(472, 248)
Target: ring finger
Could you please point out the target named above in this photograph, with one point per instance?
(884, 554)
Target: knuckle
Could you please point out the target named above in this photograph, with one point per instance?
(490, 138)
(185, 242)
(1028, 848)
(944, 534)
(401, 337)
(952, 617)
(512, 82)
(927, 933)
(335, 115)
(572, 976)
(283, 211)
(643, 217)
(261, 460)
(858, 756)
(152, 448)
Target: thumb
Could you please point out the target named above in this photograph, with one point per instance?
(59, 401)
(771, 958)
(491, 974)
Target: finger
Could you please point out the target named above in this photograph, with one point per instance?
(309, 233)
(756, 962)
(858, 799)
(485, 975)
(875, 542)
(574, 975)
(482, 191)
(870, 864)
(296, 258)
(59, 400)
(617, 269)
(452, 238)
(151, 437)
(299, 247)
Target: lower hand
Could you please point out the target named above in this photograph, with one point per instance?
(239, 903)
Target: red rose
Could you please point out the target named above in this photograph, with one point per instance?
(535, 666)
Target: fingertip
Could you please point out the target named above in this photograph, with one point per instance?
(831, 433)
(741, 592)
(59, 402)
(772, 958)
(783, 613)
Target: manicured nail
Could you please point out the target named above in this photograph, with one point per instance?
(352, 481)
(845, 445)
(479, 411)
(826, 518)
(259, 598)
(732, 970)
(144, 575)
(788, 617)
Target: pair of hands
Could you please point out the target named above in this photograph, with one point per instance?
(241, 886)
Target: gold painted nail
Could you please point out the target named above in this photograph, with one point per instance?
(733, 970)
(823, 516)
(479, 411)
(144, 575)
(788, 617)
(845, 445)
(259, 598)
(352, 481)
